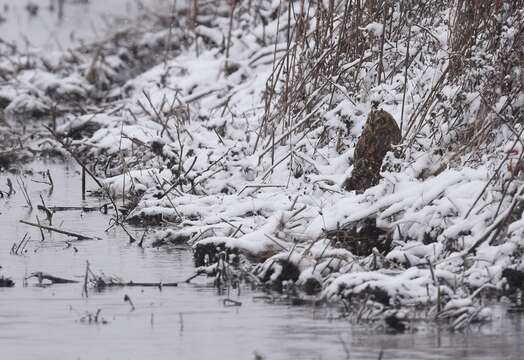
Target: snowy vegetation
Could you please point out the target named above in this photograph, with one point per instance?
(231, 125)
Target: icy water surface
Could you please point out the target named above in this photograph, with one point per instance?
(79, 20)
(185, 322)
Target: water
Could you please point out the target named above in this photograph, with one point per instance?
(185, 322)
(43, 323)
(80, 21)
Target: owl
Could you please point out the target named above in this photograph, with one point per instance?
(380, 133)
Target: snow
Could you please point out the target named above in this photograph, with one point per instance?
(186, 137)
(375, 28)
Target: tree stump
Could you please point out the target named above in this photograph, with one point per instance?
(380, 133)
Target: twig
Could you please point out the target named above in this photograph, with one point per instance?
(50, 228)
(86, 278)
(54, 279)
(231, 302)
(260, 186)
(128, 299)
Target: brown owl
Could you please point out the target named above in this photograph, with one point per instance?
(380, 133)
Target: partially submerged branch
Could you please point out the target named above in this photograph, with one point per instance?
(59, 231)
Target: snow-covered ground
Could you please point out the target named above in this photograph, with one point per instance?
(236, 132)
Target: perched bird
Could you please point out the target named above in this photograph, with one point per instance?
(380, 133)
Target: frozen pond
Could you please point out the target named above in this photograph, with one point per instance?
(79, 20)
(185, 322)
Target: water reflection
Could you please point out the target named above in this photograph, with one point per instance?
(60, 9)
